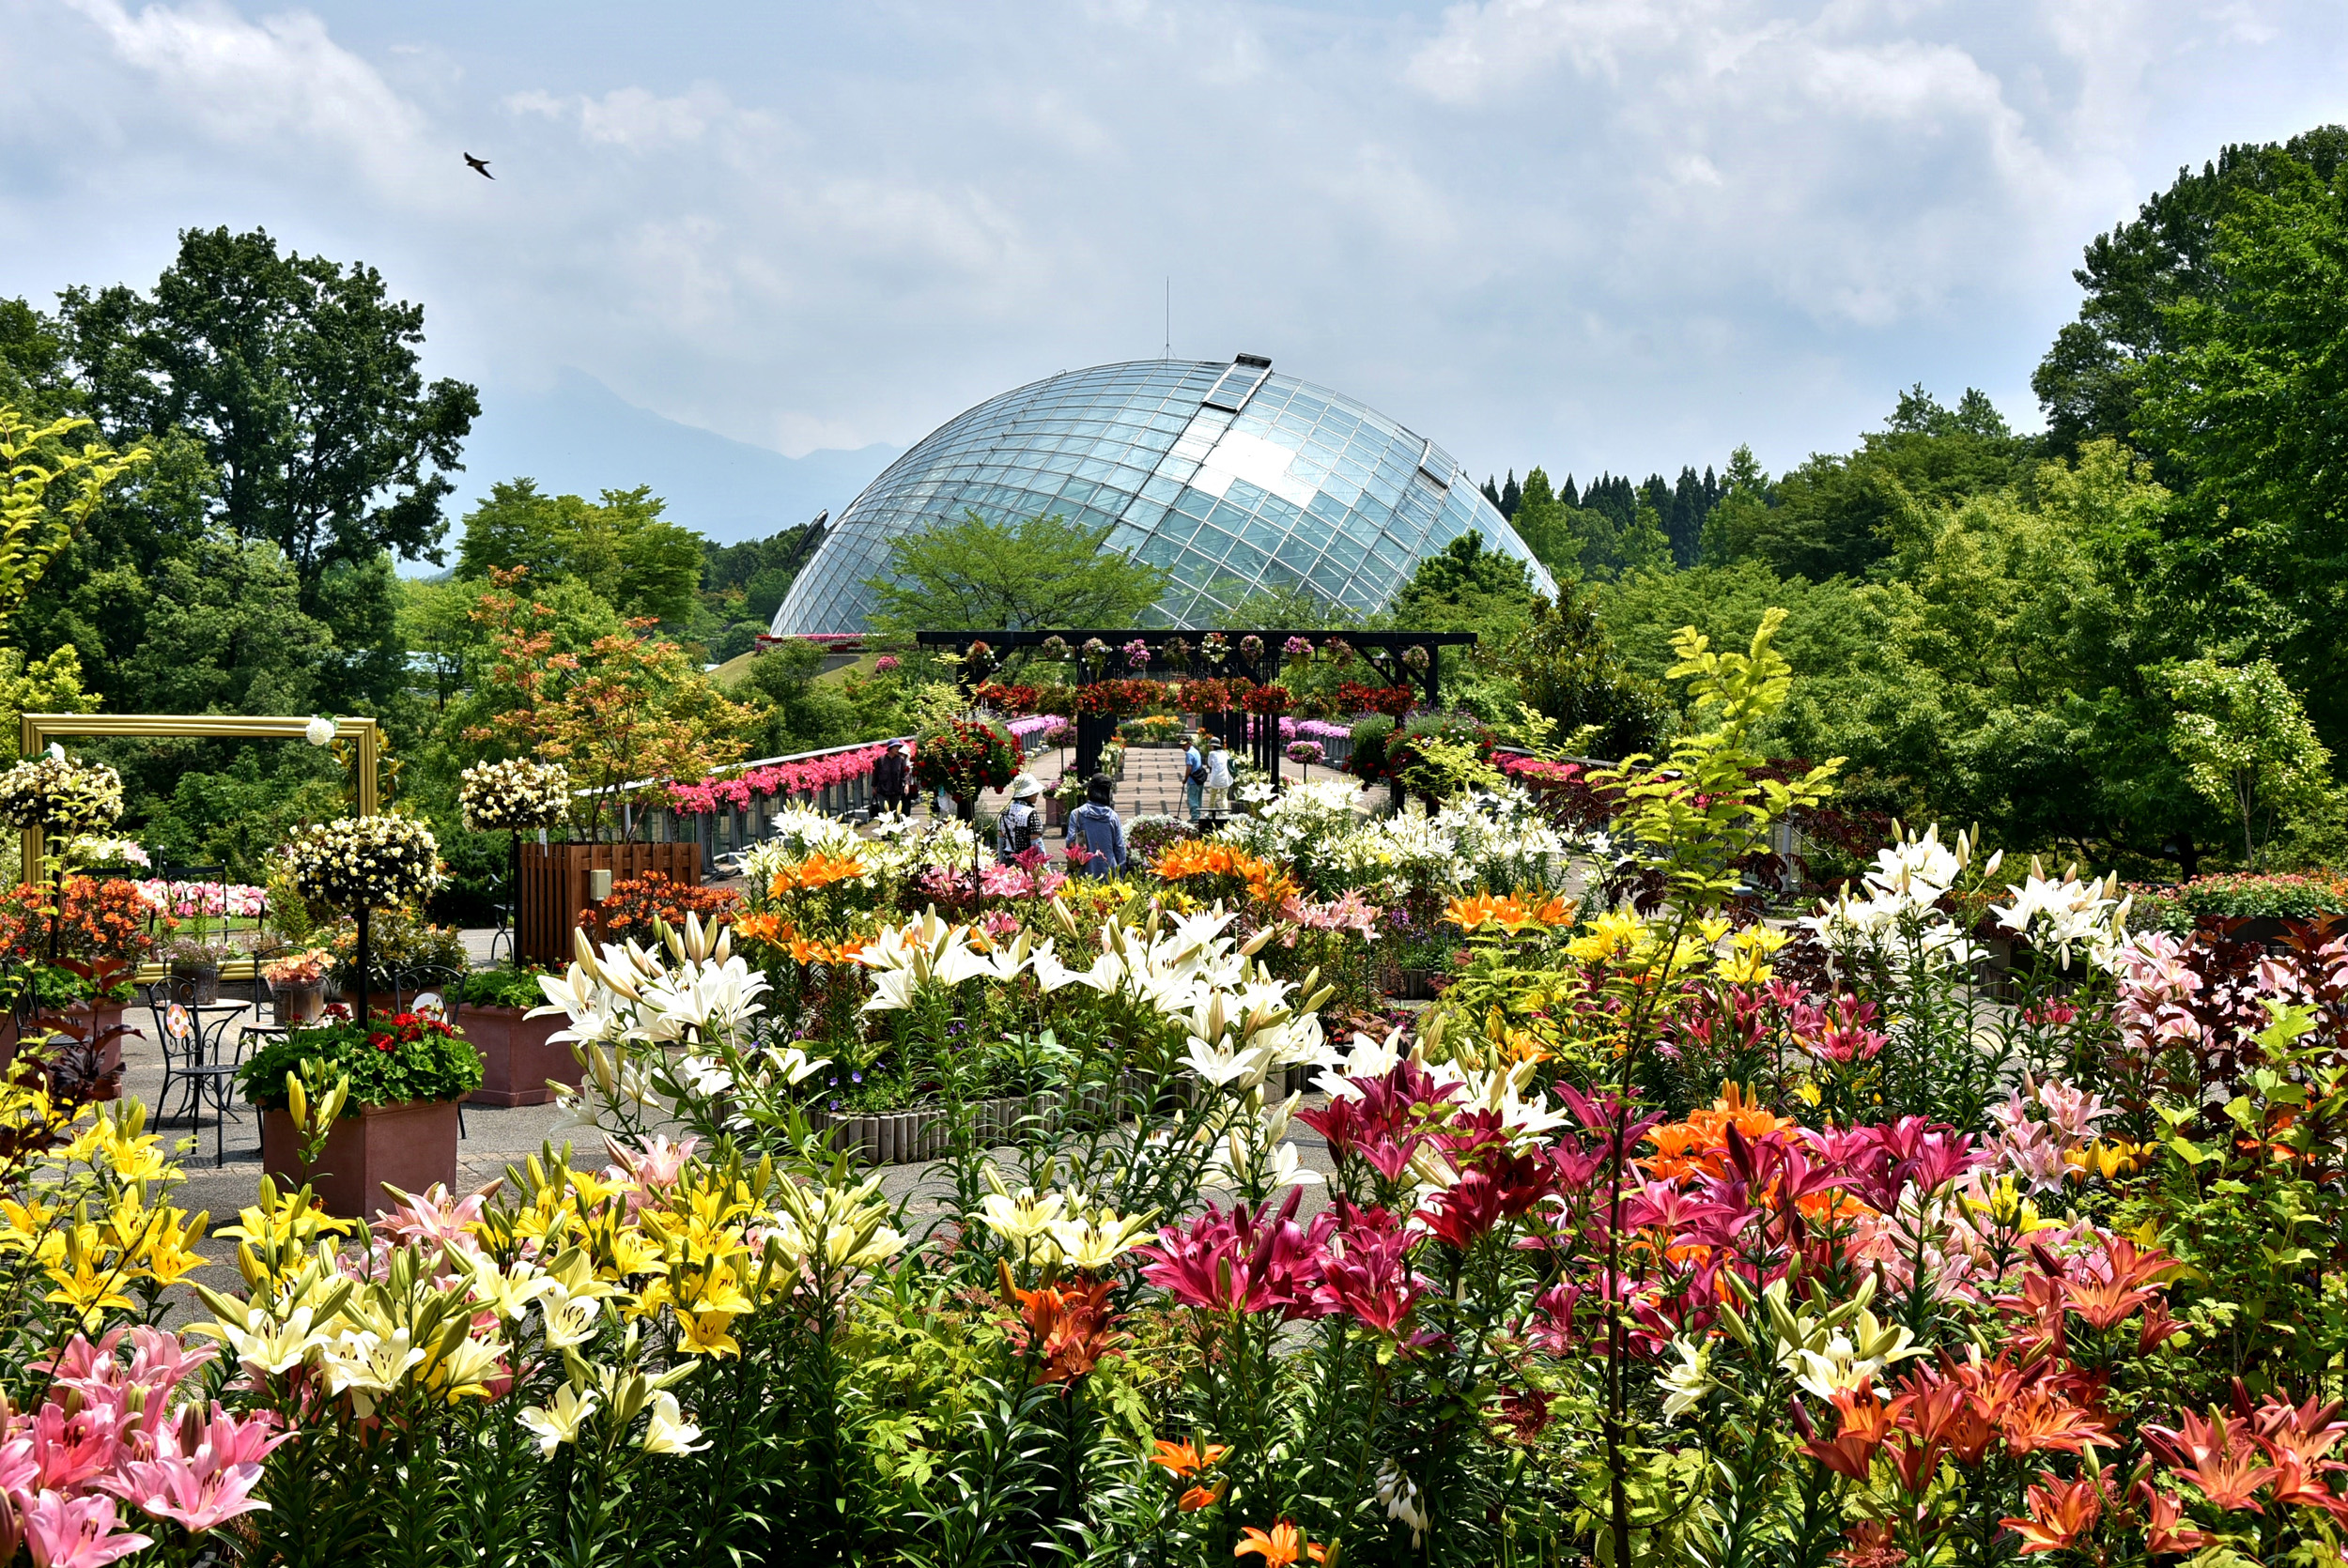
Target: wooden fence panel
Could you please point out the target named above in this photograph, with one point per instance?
(556, 881)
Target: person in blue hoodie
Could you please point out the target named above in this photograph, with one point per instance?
(1095, 827)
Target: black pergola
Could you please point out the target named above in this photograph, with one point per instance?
(1385, 653)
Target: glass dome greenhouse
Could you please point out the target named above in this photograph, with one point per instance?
(1231, 478)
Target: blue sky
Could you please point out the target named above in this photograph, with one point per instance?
(1584, 233)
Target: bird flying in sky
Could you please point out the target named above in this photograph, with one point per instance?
(479, 166)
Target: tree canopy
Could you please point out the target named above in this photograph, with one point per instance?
(620, 546)
(301, 379)
(972, 574)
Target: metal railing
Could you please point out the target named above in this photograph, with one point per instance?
(738, 827)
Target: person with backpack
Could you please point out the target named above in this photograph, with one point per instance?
(1021, 823)
(1094, 829)
(1194, 776)
(1218, 782)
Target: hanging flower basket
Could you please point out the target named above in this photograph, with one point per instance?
(356, 863)
(966, 757)
(59, 796)
(1266, 699)
(514, 795)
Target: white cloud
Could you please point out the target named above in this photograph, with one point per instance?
(280, 82)
(635, 118)
(1587, 233)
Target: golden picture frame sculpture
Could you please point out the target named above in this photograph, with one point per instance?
(36, 731)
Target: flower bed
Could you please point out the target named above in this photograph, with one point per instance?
(219, 900)
(1660, 1234)
(2241, 896)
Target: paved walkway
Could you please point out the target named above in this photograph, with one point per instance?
(1153, 782)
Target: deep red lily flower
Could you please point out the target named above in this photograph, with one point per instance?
(1241, 1261)
(1366, 1270)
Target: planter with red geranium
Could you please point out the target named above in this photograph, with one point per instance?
(399, 1126)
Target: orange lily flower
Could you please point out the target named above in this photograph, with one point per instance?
(1068, 1325)
(1186, 1459)
(1284, 1545)
(818, 870)
(2060, 1512)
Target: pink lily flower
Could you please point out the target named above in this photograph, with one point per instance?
(79, 1532)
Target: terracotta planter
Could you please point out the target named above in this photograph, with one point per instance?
(300, 1004)
(410, 1146)
(108, 1015)
(515, 1058)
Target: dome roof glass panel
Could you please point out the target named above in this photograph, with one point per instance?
(1229, 477)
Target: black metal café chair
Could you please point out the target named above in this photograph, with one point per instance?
(207, 1068)
(175, 1035)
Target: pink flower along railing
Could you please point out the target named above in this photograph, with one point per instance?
(794, 776)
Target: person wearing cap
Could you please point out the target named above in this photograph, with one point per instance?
(1095, 832)
(1022, 821)
(1218, 783)
(892, 780)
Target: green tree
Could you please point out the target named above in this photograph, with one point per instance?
(1837, 514)
(761, 570)
(2246, 746)
(798, 711)
(1566, 670)
(34, 525)
(2019, 683)
(973, 574)
(620, 547)
(1545, 521)
(300, 378)
(2250, 403)
(224, 632)
(1465, 586)
(2090, 380)
(1734, 527)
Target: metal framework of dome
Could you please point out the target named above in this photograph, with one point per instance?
(1228, 476)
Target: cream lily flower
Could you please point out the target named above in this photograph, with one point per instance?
(558, 1421)
(1098, 1240)
(668, 1431)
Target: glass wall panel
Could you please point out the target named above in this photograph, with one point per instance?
(1120, 445)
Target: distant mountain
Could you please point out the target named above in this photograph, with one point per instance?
(580, 437)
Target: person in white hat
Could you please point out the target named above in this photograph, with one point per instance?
(1022, 821)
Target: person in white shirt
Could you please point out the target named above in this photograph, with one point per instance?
(1218, 782)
